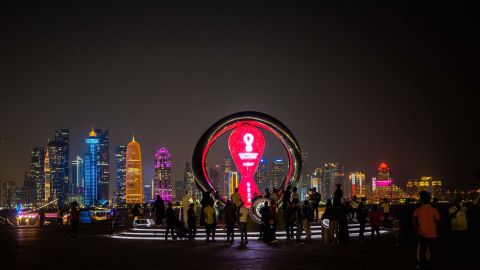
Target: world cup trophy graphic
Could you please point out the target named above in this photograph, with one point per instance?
(246, 144)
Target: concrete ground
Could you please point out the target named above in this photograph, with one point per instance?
(51, 248)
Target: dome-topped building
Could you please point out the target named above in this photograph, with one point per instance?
(133, 168)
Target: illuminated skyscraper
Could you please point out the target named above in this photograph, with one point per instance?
(10, 194)
(262, 174)
(163, 174)
(96, 168)
(232, 182)
(216, 176)
(382, 185)
(103, 166)
(37, 168)
(48, 180)
(91, 169)
(77, 181)
(120, 175)
(133, 167)
(278, 173)
(357, 184)
(58, 151)
(332, 175)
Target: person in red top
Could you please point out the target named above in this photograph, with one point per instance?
(425, 219)
(375, 222)
(74, 219)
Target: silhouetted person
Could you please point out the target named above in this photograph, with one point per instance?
(362, 213)
(343, 232)
(265, 213)
(60, 216)
(308, 217)
(170, 213)
(295, 194)
(41, 217)
(337, 196)
(287, 194)
(289, 220)
(159, 209)
(375, 222)
(230, 217)
(407, 229)
(298, 217)
(192, 222)
(316, 202)
(74, 219)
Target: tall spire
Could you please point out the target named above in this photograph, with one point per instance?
(133, 137)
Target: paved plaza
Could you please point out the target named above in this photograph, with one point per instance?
(51, 247)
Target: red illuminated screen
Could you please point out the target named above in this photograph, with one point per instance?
(246, 144)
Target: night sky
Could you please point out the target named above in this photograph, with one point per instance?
(356, 83)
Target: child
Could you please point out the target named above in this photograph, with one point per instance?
(375, 222)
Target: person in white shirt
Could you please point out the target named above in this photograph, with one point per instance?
(186, 201)
(459, 229)
(243, 219)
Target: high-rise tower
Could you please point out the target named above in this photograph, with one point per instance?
(163, 174)
(90, 169)
(37, 171)
(120, 176)
(133, 168)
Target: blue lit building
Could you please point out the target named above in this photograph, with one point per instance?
(90, 161)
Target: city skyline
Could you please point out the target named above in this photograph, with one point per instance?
(350, 88)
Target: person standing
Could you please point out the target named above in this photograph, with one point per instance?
(41, 217)
(60, 216)
(295, 194)
(230, 217)
(316, 202)
(298, 217)
(407, 230)
(287, 196)
(328, 232)
(307, 219)
(243, 218)
(337, 196)
(74, 219)
(459, 229)
(386, 212)
(265, 213)
(192, 222)
(236, 198)
(362, 213)
(289, 220)
(273, 222)
(425, 219)
(159, 209)
(375, 222)
(210, 221)
(186, 201)
(274, 197)
(344, 234)
(170, 213)
(354, 208)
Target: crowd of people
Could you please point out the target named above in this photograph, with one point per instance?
(414, 224)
